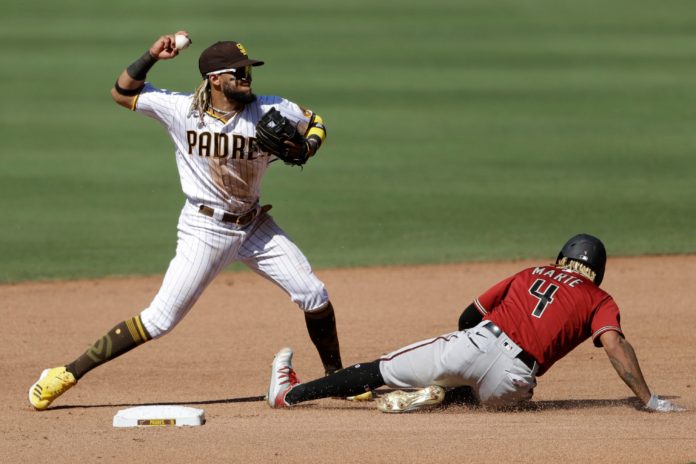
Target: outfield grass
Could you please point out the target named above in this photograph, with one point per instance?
(458, 130)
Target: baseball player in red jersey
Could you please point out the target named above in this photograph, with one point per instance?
(222, 221)
(507, 337)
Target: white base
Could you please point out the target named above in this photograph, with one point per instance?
(159, 416)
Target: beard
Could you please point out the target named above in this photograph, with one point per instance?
(239, 97)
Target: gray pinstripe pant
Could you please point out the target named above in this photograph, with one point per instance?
(473, 357)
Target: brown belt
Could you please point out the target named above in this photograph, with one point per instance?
(523, 356)
(240, 221)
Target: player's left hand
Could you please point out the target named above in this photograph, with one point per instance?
(297, 150)
(276, 135)
(657, 404)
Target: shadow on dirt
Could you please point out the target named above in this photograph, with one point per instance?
(457, 398)
(247, 399)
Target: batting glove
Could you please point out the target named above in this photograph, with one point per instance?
(659, 405)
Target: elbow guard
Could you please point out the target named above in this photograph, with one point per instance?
(470, 317)
(316, 130)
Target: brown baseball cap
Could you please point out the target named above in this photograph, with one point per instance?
(224, 55)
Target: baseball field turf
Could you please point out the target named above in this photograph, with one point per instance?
(458, 130)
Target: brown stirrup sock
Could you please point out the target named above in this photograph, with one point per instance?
(122, 338)
(322, 331)
(350, 381)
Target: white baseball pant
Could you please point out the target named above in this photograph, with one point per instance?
(205, 246)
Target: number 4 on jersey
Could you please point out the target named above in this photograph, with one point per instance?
(545, 297)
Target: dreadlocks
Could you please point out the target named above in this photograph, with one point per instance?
(201, 99)
(578, 267)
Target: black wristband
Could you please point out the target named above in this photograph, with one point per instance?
(127, 92)
(139, 68)
(315, 140)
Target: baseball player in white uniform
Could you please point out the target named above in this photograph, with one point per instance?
(220, 168)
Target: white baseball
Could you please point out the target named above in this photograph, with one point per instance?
(181, 41)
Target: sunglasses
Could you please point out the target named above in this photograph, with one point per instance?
(243, 73)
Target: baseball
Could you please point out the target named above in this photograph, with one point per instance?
(181, 41)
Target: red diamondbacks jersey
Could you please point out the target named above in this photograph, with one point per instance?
(549, 311)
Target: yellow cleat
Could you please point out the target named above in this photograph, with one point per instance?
(367, 396)
(52, 383)
(400, 401)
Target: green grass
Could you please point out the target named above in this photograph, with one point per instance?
(458, 130)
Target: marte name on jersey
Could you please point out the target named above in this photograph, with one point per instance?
(557, 276)
(219, 145)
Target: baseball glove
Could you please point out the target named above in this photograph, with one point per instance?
(276, 135)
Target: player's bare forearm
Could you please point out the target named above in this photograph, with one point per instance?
(625, 362)
(132, 79)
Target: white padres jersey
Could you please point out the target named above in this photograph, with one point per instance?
(219, 163)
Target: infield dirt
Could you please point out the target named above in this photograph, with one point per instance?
(218, 359)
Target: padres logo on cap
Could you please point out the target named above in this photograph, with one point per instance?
(242, 49)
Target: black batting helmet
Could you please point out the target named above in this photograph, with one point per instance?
(588, 250)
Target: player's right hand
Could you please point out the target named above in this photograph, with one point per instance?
(164, 48)
(657, 404)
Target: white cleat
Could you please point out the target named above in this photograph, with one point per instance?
(283, 379)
